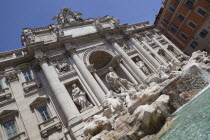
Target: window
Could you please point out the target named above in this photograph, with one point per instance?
(189, 3)
(184, 36)
(1, 86)
(174, 28)
(27, 75)
(194, 44)
(44, 113)
(201, 12)
(173, 50)
(166, 21)
(171, 9)
(181, 17)
(203, 33)
(191, 24)
(10, 128)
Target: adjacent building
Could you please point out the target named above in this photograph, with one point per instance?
(186, 23)
(49, 88)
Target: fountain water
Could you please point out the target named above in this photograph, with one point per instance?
(192, 121)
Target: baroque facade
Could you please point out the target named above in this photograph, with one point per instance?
(49, 88)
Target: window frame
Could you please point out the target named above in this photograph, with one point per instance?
(187, 4)
(40, 102)
(184, 35)
(176, 27)
(29, 76)
(7, 115)
(205, 34)
(5, 130)
(171, 9)
(40, 115)
(193, 46)
(166, 20)
(190, 21)
(180, 19)
(203, 10)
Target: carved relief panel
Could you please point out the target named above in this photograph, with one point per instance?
(62, 65)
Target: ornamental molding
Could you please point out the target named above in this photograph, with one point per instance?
(94, 49)
(12, 76)
(41, 59)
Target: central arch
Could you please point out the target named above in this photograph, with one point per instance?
(100, 59)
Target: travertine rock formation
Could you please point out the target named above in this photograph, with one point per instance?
(141, 114)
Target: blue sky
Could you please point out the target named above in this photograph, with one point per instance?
(18, 14)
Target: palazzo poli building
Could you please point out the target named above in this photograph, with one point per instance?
(49, 88)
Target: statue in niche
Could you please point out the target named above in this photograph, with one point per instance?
(142, 66)
(120, 84)
(62, 67)
(79, 98)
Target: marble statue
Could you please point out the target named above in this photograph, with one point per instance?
(113, 102)
(173, 65)
(120, 84)
(79, 97)
(162, 70)
(203, 57)
(142, 66)
(127, 97)
(62, 67)
(67, 17)
(116, 22)
(98, 24)
(78, 16)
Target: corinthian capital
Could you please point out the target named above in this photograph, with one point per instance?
(128, 35)
(70, 48)
(109, 38)
(40, 57)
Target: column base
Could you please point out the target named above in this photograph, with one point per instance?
(74, 121)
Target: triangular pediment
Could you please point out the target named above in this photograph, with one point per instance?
(39, 100)
(8, 113)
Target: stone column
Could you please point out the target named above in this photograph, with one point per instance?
(65, 102)
(163, 61)
(130, 71)
(165, 49)
(129, 62)
(100, 82)
(127, 73)
(88, 77)
(176, 48)
(145, 53)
